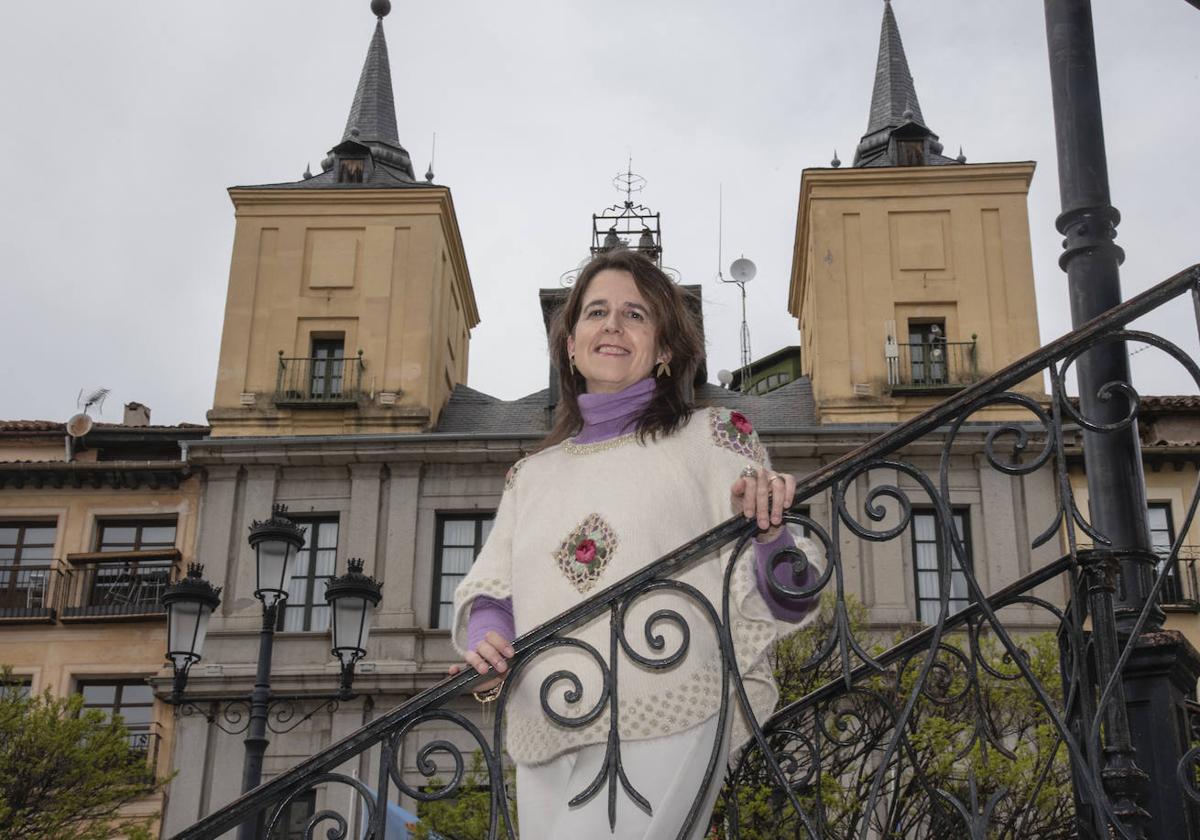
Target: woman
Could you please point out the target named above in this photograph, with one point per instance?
(630, 472)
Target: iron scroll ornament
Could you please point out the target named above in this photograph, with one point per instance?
(847, 712)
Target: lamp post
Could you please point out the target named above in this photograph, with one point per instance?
(275, 542)
(353, 598)
(189, 603)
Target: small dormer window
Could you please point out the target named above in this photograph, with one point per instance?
(350, 171)
(910, 152)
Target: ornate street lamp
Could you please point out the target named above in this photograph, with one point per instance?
(353, 598)
(275, 542)
(189, 603)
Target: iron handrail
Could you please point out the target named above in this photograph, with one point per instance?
(941, 415)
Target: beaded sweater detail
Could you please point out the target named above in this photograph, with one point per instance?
(570, 524)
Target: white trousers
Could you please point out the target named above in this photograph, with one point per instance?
(667, 771)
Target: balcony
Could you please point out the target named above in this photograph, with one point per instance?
(932, 367)
(1180, 589)
(117, 584)
(316, 382)
(144, 740)
(27, 593)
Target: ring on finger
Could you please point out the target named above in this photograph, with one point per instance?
(749, 472)
(777, 477)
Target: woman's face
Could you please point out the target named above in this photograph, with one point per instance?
(615, 340)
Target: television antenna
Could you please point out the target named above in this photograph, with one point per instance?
(741, 272)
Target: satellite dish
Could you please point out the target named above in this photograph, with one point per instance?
(743, 270)
(725, 377)
(79, 425)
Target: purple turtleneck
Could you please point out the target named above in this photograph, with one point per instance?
(606, 416)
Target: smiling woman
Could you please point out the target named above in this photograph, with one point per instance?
(631, 471)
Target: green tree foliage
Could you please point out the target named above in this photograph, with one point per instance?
(66, 771)
(977, 731)
(465, 815)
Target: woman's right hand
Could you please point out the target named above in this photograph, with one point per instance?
(492, 652)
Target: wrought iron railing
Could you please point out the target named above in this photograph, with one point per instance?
(922, 733)
(1181, 587)
(117, 584)
(933, 366)
(28, 592)
(144, 739)
(317, 381)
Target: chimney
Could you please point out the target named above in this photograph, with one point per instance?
(136, 414)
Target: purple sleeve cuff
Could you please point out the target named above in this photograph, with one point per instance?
(489, 614)
(782, 607)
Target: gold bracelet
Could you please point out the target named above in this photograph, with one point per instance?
(488, 696)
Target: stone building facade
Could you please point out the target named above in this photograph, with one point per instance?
(401, 464)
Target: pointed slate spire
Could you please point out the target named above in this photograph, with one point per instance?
(894, 91)
(373, 112)
(895, 109)
(371, 124)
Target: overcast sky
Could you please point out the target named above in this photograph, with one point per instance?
(125, 121)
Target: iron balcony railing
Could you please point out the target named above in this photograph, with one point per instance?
(145, 739)
(117, 584)
(319, 381)
(28, 592)
(1181, 584)
(916, 740)
(932, 365)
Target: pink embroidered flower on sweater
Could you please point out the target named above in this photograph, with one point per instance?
(740, 422)
(585, 552)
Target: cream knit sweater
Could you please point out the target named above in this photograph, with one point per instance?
(576, 518)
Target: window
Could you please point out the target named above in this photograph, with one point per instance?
(305, 608)
(1162, 537)
(26, 554)
(926, 537)
(328, 364)
(459, 539)
(295, 817)
(17, 685)
(133, 700)
(927, 349)
(131, 585)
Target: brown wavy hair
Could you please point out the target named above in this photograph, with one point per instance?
(677, 331)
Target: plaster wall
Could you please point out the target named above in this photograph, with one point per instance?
(382, 269)
(877, 249)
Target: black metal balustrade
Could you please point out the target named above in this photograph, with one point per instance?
(117, 584)
(861, 727)
(933, 366)
(145, 739)
(1181, 588)
(27, 592)
(319, 381)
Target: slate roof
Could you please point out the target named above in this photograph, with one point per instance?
(894, 91)
(475, 413)
(373, 112)
(371, 122)
(56, 426)
(894, 103)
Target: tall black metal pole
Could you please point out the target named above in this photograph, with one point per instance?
(1116, 486)
(256, 733)
(1144, 712)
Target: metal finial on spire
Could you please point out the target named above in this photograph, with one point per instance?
(307, 171)
(836, 162)
(961, 157)
(381, 8)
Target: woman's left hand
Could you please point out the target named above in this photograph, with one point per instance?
(763, 495)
